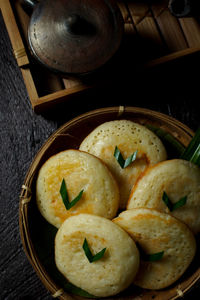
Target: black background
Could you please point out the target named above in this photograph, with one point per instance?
(172, 89)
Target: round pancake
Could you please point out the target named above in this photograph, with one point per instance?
(110, 274)
(178, 178)
(128, 137)
(156, 232)
(81, 171)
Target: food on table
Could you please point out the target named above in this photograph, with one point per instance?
(117, 257)
(171, 186)
(150, 244)
(127, 148)
(167, 246)
(73, 182)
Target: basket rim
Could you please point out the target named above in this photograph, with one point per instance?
(28, 247)
(117, 109)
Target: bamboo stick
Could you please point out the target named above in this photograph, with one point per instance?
(191, 29)
(71, 83)
(170, 29)
(128, 24)
(23, 19)
(146, 26)
(159, 6)
(13, 32)
(129, 29)
(172, 56)
(138, 11)
(47, 101)
(30, 86)
(124, 11)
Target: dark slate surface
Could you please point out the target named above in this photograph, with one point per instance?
(172, 89)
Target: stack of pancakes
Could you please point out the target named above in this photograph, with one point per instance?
(145, 224)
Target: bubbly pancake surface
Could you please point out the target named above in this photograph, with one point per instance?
(128, 137)
(156, 232)
(106, 276)
(178, 178)
(81, 171)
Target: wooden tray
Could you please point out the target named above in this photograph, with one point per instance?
(152, 36)
(38, 236)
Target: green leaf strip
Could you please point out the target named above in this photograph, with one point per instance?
(124, 162)
(68, 286)
(166, 137)
(154, 257)
(173, 206)
(167, 201)
(192, 152)
(149, 257)
(130, 159)
(89, 254)
(180, 203)
(65, 197)
(119, 157)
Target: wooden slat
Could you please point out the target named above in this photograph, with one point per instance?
(170, 29)
(147, 28)
(171, 57)
(144, 22)
(125, 13)
(30, 86)
(13, 32)
(47, 101)
(128, 23)
(138, 11)
(70, 83)
(23, 19)
(129, 29)
(150, 39)
(191, 29)
(159, 6)
(18, 47)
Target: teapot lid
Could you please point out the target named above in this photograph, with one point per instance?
(75, 36)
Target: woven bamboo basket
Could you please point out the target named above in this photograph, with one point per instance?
(38, 236)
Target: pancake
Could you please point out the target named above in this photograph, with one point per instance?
(128, 137)
(155, 232)
(178, 178)
(81, 171)
(110, 274)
